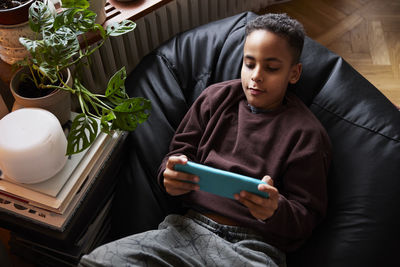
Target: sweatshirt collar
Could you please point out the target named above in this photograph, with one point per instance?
(259, 110)
(255, 110)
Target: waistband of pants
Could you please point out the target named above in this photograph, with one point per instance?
(231, 233)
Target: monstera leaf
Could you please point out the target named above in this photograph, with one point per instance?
(41, 17)
(78, 20)
(83, 132)
(130, 113)
(117, 29)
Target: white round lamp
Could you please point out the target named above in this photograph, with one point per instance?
(32, 145)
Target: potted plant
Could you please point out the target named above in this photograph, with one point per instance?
(56, 49)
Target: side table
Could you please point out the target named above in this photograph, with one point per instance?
(87, 228)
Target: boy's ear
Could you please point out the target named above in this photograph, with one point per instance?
(295, 73)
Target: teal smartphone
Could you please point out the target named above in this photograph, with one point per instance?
(220, 182)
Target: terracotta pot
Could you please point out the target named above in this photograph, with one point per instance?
(14, 23)
(58, 102)
(11, 50)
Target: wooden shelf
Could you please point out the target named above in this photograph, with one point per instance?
(132, 10)
(119, 11)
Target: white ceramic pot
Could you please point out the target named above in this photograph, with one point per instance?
(32, 145)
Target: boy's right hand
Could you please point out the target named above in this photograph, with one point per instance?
(175, 182)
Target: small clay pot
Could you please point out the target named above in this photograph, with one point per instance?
(57, 102)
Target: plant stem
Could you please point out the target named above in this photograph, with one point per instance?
(33, 76)
(86, 54)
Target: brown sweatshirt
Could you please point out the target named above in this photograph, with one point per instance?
(289, 144)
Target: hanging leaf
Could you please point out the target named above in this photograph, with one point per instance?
(78, 20)
(41, 17)
(107, 117)
(33, 46)
(130, 113)
(100, 29)
(115, 91)
(83, 132)
(119, 28)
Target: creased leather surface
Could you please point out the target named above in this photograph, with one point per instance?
(362, 226)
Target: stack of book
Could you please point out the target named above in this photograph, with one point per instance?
(48, 209)
(47, 254)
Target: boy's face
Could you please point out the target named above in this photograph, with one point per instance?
(267, 69)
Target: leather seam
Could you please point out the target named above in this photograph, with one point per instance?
(353, 123)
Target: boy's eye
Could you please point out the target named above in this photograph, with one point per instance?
(249, 65)
(271, 69)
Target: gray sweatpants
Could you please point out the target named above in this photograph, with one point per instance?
(191, 240)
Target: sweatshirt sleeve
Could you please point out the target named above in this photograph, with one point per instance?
(188, 134)
(302, 201)
(302, 183)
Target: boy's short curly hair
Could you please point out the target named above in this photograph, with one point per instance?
(284, 26)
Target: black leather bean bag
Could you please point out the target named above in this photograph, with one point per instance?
(362, 227)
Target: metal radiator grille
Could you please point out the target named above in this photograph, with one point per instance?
(154, 29)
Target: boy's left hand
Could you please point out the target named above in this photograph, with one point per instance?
(261, 208)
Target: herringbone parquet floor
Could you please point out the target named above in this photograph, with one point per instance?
(366, 33)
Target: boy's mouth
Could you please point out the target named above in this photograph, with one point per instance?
(255, 91)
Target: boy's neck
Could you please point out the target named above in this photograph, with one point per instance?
(256, 110)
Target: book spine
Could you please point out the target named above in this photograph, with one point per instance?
(34, 214)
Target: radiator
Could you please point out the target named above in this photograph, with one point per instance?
(154, 29)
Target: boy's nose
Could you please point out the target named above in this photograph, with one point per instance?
(256, 76)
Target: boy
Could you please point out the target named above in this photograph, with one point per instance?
(254, 127)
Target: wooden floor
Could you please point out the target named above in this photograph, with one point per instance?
(366, 33)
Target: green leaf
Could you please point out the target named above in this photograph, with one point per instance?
(40, 17)
(101, 30)
(130, 113)
(60, 46)
(84, 130)
(75, 3)
(133, 104)
(119, 28)
(33, 46)
(48, 71)
(78, 20)
(115, 91)
(107, 117)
